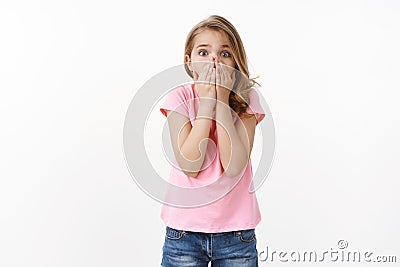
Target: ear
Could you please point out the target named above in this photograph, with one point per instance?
(188, 62)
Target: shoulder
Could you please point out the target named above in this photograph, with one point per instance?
(254, 105)
(178, 99)
(185, 92)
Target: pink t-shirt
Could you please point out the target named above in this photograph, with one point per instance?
(237, 209)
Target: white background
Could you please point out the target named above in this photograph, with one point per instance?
(68, 71)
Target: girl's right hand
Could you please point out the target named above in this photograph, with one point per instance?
(205, 82)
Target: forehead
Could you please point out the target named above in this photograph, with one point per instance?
(212, 37)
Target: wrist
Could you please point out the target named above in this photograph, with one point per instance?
(207, 103)
(223, 98)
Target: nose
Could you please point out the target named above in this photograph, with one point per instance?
(214, 58)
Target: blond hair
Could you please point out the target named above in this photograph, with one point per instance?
(239, 96)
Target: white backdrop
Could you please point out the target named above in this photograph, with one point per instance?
(330, 74)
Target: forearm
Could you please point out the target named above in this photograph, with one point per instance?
(193, 149)
(233, 152)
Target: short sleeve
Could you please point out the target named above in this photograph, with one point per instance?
(176, 100)
(255, 106)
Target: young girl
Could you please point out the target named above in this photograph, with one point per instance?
(212, 125)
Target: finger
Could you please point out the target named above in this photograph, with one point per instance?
(213, 76)
(205, 73)
(223, 74)
(228, 71)
(197, 70)
(223, 78)
(230, 76)
(217, 74)
(209, 73)
(233, 75)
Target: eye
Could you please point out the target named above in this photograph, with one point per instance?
(203, 53)
(225, 54)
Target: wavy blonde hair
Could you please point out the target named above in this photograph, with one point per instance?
(239, 96)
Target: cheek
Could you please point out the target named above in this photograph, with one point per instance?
(195, 56)
(230, 63)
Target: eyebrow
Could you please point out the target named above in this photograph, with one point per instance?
(206, 45)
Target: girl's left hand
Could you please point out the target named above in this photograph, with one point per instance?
(224, 81)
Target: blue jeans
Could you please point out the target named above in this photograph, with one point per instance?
(185, 248)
